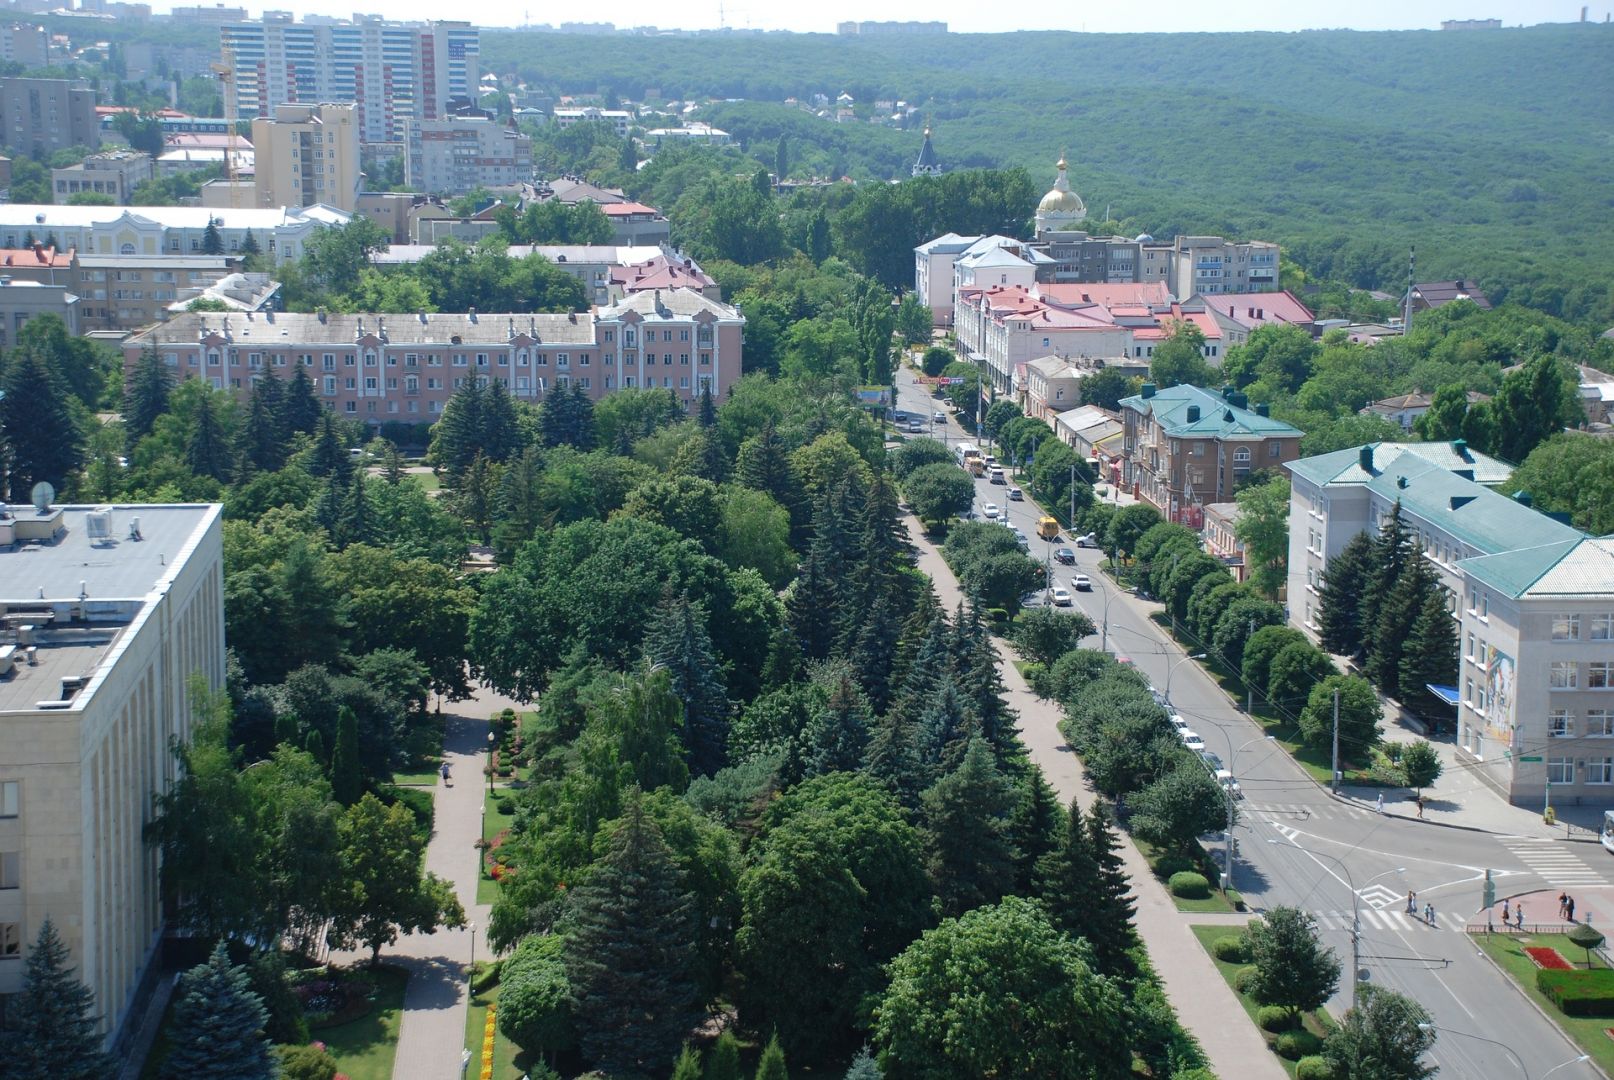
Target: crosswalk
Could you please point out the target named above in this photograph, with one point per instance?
(1552, 861)
(1297, 812)
(1391, 919)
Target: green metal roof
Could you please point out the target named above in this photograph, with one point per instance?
(1475, 514)
(1571, 568)
(1345, 466)
(1217, 417)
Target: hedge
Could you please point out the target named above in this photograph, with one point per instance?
(1295, 1045)
(1232, 949)
(1274, 1018)
(1314, 1068)
(1245, 978)
(1578, 993)
(1171, 865)
(1189, 885)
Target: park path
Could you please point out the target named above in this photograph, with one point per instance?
(1204, 1003)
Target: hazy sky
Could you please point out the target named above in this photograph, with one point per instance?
(976, 16)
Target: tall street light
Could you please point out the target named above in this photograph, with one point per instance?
(1228, 850)
(1172, 670)
(492, 742)
(1507, 1050)
(1109, 594)
(1356, 910)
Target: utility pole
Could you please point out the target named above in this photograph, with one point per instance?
(1249, 691)
(1336, 741)
(1072, 521)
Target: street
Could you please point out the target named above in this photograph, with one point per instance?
(1299, 846)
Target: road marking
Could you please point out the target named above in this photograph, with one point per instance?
(1396, 921)
(1551, 862)
(1379, 896)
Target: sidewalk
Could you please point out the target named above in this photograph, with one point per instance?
(1204, 1003)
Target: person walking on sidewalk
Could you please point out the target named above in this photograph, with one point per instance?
(1429, 914)
(1563, 904)
(1381, 802)
(1518, 917)
(1420, 807)
(444, 771)
(1505, 912)
(1569, 909)
(1412, 902)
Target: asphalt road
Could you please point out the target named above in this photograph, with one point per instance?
(1299, 846)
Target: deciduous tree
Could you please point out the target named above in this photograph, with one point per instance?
(1293, 968)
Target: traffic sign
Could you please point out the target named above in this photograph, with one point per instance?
(1531, 757)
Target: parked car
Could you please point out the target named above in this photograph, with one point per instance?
(940, 417)
(1062, 598)
(1082, 582)
(1016, 495)
(1088, 541)
(916, 427)
(1065, 555)
(1229, 784)
(990, 511)
(1191, 739)
(1213, 760)
(1178, 722)
(1019, 537)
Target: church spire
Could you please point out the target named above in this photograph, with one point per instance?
(928, 164)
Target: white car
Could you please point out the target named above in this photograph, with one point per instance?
(1229, 784)
(1088, 541)
(1061, 598)
(990, 511)
(1082, 582)
(1191, 739)
(1178, 722)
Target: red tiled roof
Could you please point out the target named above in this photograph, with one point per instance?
(623, 209)
(660, 273)
(38, 255)
(1109, 294)
(1261, 309)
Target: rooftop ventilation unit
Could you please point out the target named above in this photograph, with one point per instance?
(98, 525)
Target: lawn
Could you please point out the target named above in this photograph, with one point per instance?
(364, 1048)
(1507, 952)
(1317, 1022)
(494, 822)
(504, 1051)
(1217, 901)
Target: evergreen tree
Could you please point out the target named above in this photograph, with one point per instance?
(764, 465)
(216, 1028)
(347, 781)
(630, 953)
(874, 653)
(1067, 877)
(781, 159)
(145, 395)
(864, 1067)
(838, 732)
(330, 458)
(702, 456)
(1429, 656)
(976, 660)
(1344, 581)
(708, 408)
(968, 832)
(300, 409)
(212, 242)
(893, 758)
(357, 525)
(501, 437)
(945, 729)
(1035, 826)
(772, 1064)
(41, 439)
(1391, 551)
(1110, 922)
(678, 641)
(1083, 888)
(688, 1065)
(207, 451)
(931, 658)
(814, 598)
(476, 497)
(328, 507)
(249, 244)
(1397, 612)
(567, 418)
(724, 1061)
(51, 1031)
(259, 442)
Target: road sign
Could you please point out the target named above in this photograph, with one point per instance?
(1531, 757)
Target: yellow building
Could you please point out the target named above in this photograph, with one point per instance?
(308, 154)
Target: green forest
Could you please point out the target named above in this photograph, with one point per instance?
(1489, 152)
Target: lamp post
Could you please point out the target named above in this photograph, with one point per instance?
(1104, 640)
(1507, 1050)
(492, 742)
(1356, 911)
(1172, 670)
(1232, 767)
(473, 948)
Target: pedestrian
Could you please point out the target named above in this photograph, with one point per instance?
(444, 771)
(1412, 902)
(1505, 912)
(1518, 917)
(1381, 802)
(1569, 909)
(1420, 807)
(1429, 913)
(1563, 904)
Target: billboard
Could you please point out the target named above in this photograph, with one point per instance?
(1500, 684)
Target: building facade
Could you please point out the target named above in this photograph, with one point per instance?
(307, 155)
(126, 292)
(457, 154)
(24, 300)
(117, 608)
(114, 174)
(620, 120)
(1185, 447)
(42, 116)
(1531, 596)
(391, 72)
(25, 44)
(162, 230)
(391, 367)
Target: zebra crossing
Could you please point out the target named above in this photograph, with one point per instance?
(1298, 811)
(1391, 919)
(1552, 861)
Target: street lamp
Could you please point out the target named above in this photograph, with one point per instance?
(1173, 669)
(1232, 767)
(473, 949)
(1104, 642)
(492, 742)
(1356, 912)
(1506, 1049)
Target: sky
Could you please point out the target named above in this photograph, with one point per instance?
(974, 16)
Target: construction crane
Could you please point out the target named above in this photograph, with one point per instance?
(225, 70)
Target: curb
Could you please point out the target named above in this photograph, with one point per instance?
(1353, 801)
(1539, 1010)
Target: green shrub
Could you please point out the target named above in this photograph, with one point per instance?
(1314, 1068)
(1578, 993)
(1189, 885)
(1235, 898)
(1245, 978)
(1232, 949)
(1295, 1045)
(1167, 865)
(535, 1007)
(502, 804)
(305, 1063)
(1196, 1073)
(486, 976)
(1274, 1018)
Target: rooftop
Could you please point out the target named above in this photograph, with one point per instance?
(1261, 309)
(608, 254)
(1472, 512)
(1192, 411)
(34, 216)
(1436, 293)
(38, 255)
(1346, 466)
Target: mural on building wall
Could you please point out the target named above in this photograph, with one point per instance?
(1499, 687)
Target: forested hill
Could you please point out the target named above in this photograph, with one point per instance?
(1492, 151)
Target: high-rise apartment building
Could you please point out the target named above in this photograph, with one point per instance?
(307, 154)
(459, 153)
(392, 72)
(42, 116)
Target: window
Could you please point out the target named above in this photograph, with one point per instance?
(1560, 770)
(1560, 724)
(1600, 770)
(1564, 675)
(8, 798)
(1602, 628)
(1274, 449)
(10, 940)
(10, 869)
(1600, 675)
(1599, 723)
(1241, 456)
(1471, 654)
(1565, 627)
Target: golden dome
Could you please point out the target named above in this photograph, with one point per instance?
(1061, 200)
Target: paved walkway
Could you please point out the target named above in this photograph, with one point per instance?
(1205, 1004)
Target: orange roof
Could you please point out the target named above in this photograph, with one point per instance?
(38, 255)
(623, 209)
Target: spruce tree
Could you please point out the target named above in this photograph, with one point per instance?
(249, 244)
(1067, 877)
(1082, 885)
(976, 661)
(357, 525)
(814, 599)
(259, 442)
(207, 451)
(968, 832)
(874, 653)
(347, 780)
(216, 1027)
(703, 456)
(945, 728)
(630, 953)
(500, 434)
(688, 1065)
(51, 1031)
(678, 641)
(1389, 555)
(724, 1061)
(931, 659)
(42, 441)
(708, 408)
(864, 1067)
(1429, 656)
(1396, 612)
(893, 758)
(838, 731)
(772, 1064)
(1035, 826)
(330, 458)
(1339, 618)
(328, 508)
(764, 465)
(145, 395)
(212, 242)
(300, 409)
(1110, 923)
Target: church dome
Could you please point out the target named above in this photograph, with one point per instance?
(1061, 200)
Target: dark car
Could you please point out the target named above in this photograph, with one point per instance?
(1065, 555)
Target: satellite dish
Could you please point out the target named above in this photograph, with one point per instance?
(43, 495)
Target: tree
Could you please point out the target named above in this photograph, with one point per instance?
(1344, 581)
(1180, 359)
(863, 1067)
(41, 440)
(1420, 765)
(1392, 550)
(1293, 968)
(207, 452)
(630, 953)
(677, 641)
(1535, 401)
(1106, 387)
(51, 1028)
(1429, 657)
(347, 781)
(1261, 649)
(1175, 808)
(938, 491)
(1384, 1036)
(771, 1066)
(1042, 635)
(1447, 410)
(1263, 527)
(967, 826)
(535, 996)
(385, 891)
(1238, 621)
(212, 242)
(145, 395)
(1587, 937)
(935, 360)
(216, 1028)
(1086, 896)
(911, 455)
(1359, 716)
(688, 1065)
(913, 319)
(724, 1061)
(1000, 992)
(1398, 611)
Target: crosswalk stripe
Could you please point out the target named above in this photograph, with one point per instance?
(1390, 920)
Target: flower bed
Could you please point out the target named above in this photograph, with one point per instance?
(1551, 959)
